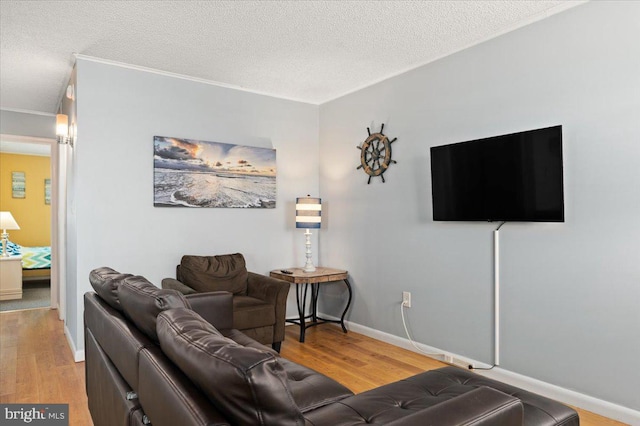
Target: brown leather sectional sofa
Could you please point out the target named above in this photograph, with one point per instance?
(158, 357)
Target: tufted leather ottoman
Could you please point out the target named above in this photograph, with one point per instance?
(538, 410)
(430, 390)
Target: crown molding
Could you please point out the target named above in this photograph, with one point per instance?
(185, 77)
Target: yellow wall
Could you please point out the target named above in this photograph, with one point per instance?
(31, 213)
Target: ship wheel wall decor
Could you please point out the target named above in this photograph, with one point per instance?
(375, 154)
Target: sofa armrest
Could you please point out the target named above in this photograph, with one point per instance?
(174, 284)
(215, 307)
(483, 406)
(273, 291)
(266, 288)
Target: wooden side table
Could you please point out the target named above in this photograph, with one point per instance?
(305, 279)
(10, 277)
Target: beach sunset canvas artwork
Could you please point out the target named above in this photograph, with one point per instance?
(193, 173)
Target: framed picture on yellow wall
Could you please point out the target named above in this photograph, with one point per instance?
(18, 184)
(47, 191)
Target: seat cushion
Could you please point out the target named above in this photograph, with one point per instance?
(248, 385)
(226, 272)
(249, 312)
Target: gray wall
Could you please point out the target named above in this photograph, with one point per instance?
(119, 111)
(571, 291)
(26, 124)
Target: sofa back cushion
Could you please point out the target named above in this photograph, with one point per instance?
(105, 282)
(227, 272)
(141, 302)
(247, 385)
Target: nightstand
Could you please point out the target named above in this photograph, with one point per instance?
(10, 277)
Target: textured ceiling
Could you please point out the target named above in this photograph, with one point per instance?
(312, 51)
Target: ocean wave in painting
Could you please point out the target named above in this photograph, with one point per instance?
(175, 188)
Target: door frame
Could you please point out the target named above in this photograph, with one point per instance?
(58, 215)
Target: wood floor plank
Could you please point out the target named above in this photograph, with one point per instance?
(26, 381)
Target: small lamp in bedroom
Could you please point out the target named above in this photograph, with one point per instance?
(308, 215)
(6, 222)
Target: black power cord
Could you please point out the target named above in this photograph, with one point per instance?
(471, 367)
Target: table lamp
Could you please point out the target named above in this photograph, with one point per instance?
(6, 222)
(308, 215)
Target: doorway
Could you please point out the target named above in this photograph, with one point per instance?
(30, 188)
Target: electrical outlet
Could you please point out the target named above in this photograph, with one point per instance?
(406, 299)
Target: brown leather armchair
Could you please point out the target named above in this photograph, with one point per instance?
(259, 302)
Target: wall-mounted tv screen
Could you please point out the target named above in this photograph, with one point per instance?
(515, 177)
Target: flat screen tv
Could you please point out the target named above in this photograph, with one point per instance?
(515, 177)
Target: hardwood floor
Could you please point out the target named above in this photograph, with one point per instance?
(36, 364)
(362, 363)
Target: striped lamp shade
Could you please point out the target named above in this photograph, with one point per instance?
(308, 212)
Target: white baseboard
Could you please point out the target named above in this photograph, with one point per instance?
(78, 356)
(566, 396)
